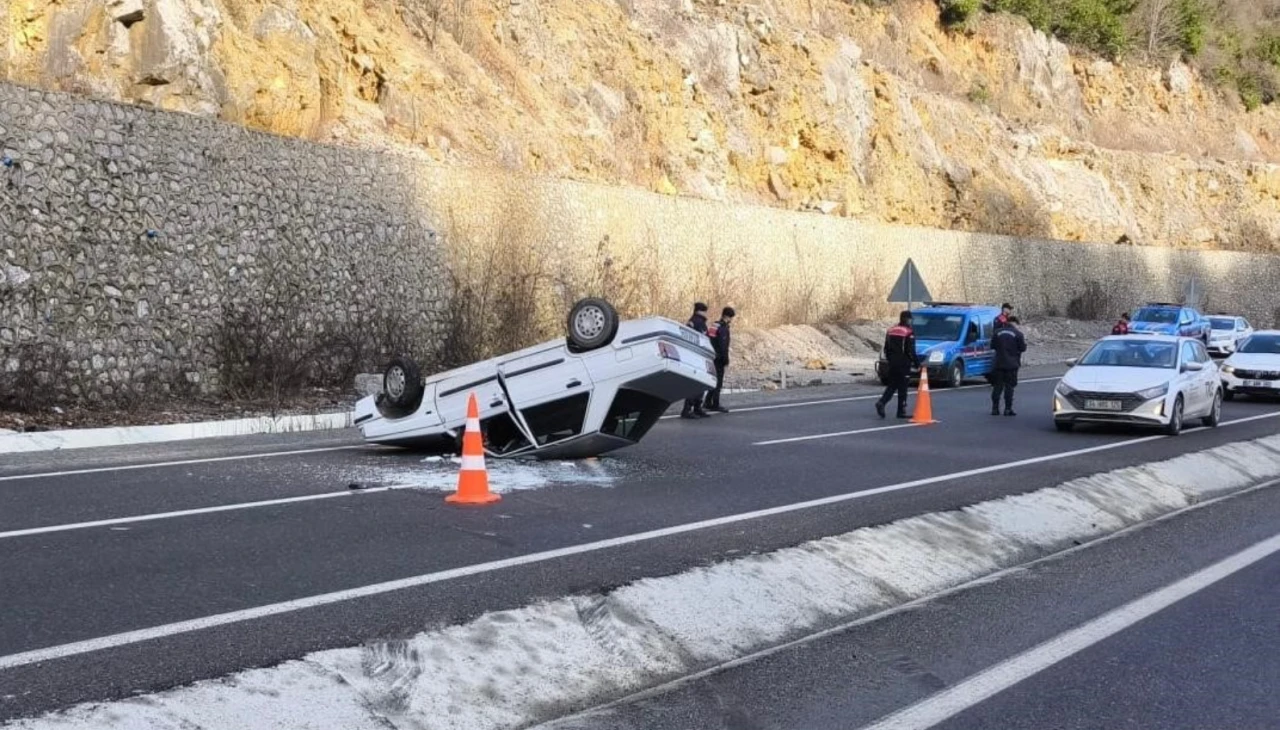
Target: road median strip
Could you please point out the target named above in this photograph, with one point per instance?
(520, 667)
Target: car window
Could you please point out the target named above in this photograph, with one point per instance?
(1186, 317)
(1244, 325)
(937, 326)
(1261, 345)
(1131, 353)
(972, 336)
(986, 328)
(1158, 316)
(1222, 323)
(1188, 353)
(1202, 355)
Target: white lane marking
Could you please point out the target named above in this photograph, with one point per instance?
(184, 462)
(189, 512)
(835, 434)
(182, 627)
(869, 396)
(985, 684)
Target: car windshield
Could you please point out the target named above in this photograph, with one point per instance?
(1158, 316)
(936, 326)
(1131, 354)
(1262, 345)
(1222, 323)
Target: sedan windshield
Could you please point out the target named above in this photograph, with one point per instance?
(1222, 323)
(1158, 316)
(1262, 345)
(1132, 354)
(941, 327)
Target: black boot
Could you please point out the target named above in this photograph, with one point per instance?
(880, 409)
(1008, 411)
(902, 413)
(995, 409)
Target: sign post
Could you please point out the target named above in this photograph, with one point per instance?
(910, 286)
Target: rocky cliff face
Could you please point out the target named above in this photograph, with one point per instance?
(834, 106)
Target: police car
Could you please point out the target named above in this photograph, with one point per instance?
(953, 341)
(1164, 318)
(599, 389)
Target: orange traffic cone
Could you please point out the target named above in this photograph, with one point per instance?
(473, 480)
(923, 415)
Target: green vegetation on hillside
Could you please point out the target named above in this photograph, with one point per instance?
(1236, 42)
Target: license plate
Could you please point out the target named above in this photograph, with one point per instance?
(1259, 384)
(1103, 405)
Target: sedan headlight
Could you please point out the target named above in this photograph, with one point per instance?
(1229, 369)
(1064, 390)
(1153, 393)
(936, 356)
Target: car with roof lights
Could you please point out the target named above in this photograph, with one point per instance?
(953, 341)
(1166, 318)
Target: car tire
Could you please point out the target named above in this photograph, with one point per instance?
(402, 386)
(592, 324)
(1064, 426)
(1215, 412)
(955, 376)
(1174, 426)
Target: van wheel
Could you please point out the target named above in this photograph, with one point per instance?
(402, 385)
(593, 323)
(955, 378)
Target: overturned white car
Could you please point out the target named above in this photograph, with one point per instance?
(600, 389)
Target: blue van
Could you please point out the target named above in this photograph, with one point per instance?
(953, 341)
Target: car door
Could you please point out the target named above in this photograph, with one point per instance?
(550, 391)
(1191, 382)
(980, 356)
(1185, 323)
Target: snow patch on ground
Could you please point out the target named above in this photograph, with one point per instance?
(520, 667)
(440, 474)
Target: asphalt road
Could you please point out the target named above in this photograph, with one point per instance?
(128, 585)
(1208, 661)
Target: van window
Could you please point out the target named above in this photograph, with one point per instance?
(972, 335)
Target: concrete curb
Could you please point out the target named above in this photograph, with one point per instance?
(531, 665)
(88, 438)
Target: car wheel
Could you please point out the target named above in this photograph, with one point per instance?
(956, 376)
(593, 323)
(1064, 426)
(1174, 426)
(1215, 413)
(402, 384)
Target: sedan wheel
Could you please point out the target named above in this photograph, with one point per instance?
(1175, 421)
(1215, 414)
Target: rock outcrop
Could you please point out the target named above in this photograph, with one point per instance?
(841, 108)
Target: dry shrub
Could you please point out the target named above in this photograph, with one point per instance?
(27, 376)
(1093, 304)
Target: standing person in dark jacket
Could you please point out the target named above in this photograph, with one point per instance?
(720, 341)
(900, 356)
(1009, 344)
(698, 322)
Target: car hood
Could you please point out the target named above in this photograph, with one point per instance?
(1254, 361)
(1116, 379)
(924, 347)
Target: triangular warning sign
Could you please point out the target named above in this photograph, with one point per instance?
(910, 286)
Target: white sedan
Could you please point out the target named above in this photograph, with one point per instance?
(600, 389)
(1141, 380)
(1254, 369)
(1226, 334)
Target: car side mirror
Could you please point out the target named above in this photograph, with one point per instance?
(1192, 367)
(1072, 362)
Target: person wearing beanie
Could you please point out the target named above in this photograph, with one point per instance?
(719, 333)
(698, 322)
